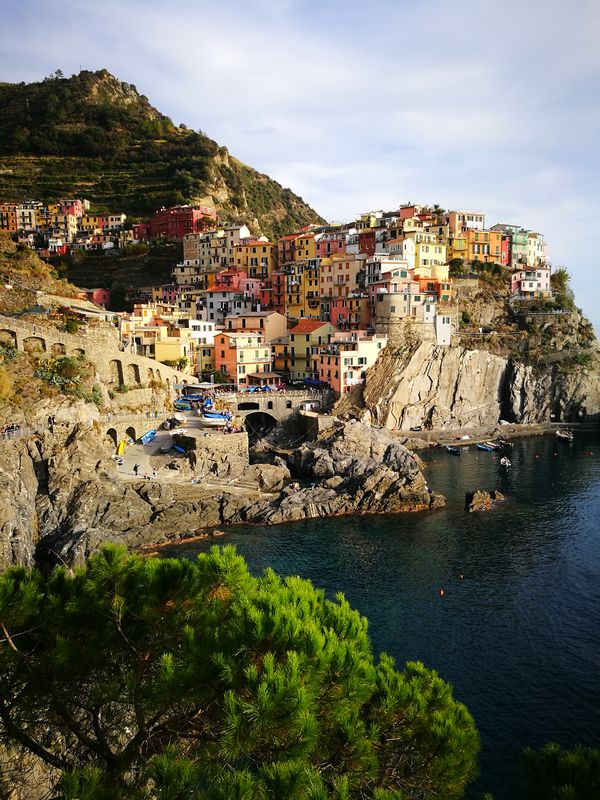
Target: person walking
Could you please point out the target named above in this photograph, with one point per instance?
(136, 469)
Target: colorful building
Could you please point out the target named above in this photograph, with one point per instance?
(257, 257)
(484, 245)
(531, 283)
(303, 338)
(270, 324)
(343, 362)
(176, 222)
(243, 358)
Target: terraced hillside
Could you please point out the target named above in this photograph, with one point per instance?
(91, 135)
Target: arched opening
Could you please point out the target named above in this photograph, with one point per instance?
(270, 404)
(132, 373)
(116, 372)
(288, 404)
(158, 375)
(168, 382)
(8, 339)
(57, 349)
(131, 433)
(34, 344)
(249, 406)
(112, 435)
(78, 352)
(150, 374)
(259, 424)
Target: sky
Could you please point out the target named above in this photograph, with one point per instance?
(476, 104)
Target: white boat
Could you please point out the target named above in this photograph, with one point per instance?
(566, 435)
(213, 422)
(505, 462)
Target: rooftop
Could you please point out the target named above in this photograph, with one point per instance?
(308, 326)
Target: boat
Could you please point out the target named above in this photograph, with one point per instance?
(493, 445)
(505, 462)
(485, 447)
(566, 435)
(454, 451)
(180, 405)
(213, 422)
(505, 443)
(216, 415)
(148, 437)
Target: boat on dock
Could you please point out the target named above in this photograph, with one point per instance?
(214, 421)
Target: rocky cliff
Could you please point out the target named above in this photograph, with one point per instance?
(61, 495)
(455, 387)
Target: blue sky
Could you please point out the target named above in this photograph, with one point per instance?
(357, 106)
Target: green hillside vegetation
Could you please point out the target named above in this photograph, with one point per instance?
(91, 135)
(26, 274)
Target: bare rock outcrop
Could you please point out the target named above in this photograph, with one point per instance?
(480, 500)
(70, 498)
(453, 387)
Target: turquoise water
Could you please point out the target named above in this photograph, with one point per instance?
(519, 636)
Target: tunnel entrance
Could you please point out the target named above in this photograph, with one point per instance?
(259, 424)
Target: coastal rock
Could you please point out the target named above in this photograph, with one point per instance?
(480, 500)
(18, 491)
(266, 477)
(454, 387)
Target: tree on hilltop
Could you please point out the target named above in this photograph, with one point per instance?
(168, 679)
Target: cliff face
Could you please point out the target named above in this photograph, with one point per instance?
(456, 387)
(61, 496)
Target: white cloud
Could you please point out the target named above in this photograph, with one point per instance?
(466, 103)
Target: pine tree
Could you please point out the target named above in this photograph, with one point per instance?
(173, 679)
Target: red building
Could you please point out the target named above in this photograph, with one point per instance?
(174, 223)
(278, 292)
(330, 244)
(366, 242)
(505, 254)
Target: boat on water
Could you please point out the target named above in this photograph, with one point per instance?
(485, 447)
(493, 445)
(454, 451)
(505, 462)
(566, 435)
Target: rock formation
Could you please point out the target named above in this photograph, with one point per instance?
(453, 387)
(61, 496)
(480, 500)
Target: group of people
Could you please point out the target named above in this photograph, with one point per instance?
(11, 427)
(146, 476)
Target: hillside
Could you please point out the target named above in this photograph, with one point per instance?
(93, 136)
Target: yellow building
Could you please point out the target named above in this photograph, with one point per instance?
(305, 247)
(304, 341)
(430, 256)
(302, 291)
(457, 247)
(258, 259)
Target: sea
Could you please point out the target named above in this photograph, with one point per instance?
(518, 636)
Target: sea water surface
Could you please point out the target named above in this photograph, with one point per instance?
(519, 636)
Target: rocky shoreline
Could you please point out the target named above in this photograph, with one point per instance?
(61, 496)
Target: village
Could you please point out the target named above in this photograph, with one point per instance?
(315, 308)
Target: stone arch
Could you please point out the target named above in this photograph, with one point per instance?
(8, 338)
(132, 374)
(78, 352)
(288, 404)
(57, 349)
(112, 435)
(34, 344)
(158, 375)
(150, 374)
(249, 406)
(258, 424)
(116, 371)
(168, 382)
(131, 433)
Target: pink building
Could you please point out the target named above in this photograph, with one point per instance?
(344, 361)
(531, 282)
(330, 244)
(99, 296)
(229, 280)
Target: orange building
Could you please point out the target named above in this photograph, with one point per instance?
(256, 258)
(244, 358)
(484, 245)
(8, 217)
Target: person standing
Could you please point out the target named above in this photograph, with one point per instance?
(136, 469)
